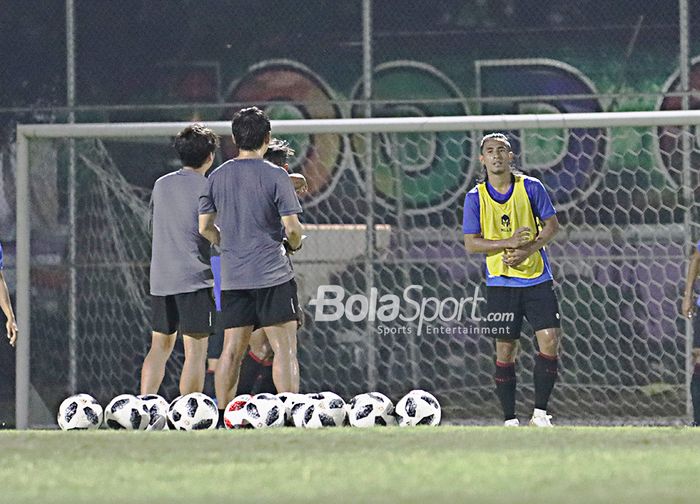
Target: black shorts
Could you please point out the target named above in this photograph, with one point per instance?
(190, 312)
(696, 329)
(506, 307)
(260, 307)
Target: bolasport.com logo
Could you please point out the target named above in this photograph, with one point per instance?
(409, 312)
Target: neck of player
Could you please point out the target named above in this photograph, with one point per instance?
(501, 182)
(252, 154)
(200, 170)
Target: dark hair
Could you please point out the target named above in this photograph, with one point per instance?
(494, 136)
(194, 144)
(249, 127)
(501, 137)
(278, 152)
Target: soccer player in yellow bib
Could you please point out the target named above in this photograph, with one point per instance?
(509, 217)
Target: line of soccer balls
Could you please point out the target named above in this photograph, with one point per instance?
(199, 412)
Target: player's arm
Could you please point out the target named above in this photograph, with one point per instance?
(515, 256)
(149, 218)
(474, 241)
(6, 306)
(288, 206)
(208, 229)
(299, 182)
(543, 207)
(293, 229)
(477, 244)
(688, 307)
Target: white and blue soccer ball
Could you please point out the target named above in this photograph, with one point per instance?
(80, 412)
(329, 410)
(235, 414)
(418, 407)
(127, 412)
(195, 411)
(265, 411)
(158, 411)
(371, 409)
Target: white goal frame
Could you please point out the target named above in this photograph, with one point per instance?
(27, 132)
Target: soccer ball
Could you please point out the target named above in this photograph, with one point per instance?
(79, 412)
(235, 415)
(194, 411)
(418, 407)
(328, 411)
(302, 410)
(368, 410)
(289, 399)
(168, 414)
(158, 411)
(127, 412)
(265, 410)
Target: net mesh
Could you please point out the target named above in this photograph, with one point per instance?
(111, 270)
(622, 197)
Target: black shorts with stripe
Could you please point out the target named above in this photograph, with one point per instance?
(260, 307)
(190, 312)
(507, 306)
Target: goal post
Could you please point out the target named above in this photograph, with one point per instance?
(623, 184)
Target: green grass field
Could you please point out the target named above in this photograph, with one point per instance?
(428, 465)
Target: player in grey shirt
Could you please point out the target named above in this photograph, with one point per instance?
(247, 197)
(256, 368)
(181, 276)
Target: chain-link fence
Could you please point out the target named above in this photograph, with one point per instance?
(157, 61)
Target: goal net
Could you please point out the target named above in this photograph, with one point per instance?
(392, 300)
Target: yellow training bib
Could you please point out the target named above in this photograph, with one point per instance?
(500, 220)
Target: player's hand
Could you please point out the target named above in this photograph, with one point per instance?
(299, 183)
(521, 237)
(12, 331)
(302, 317)
(688, 307)
(288, 247)
(515, 256)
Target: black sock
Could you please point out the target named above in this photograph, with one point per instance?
(250, 369)
(220, 424)
(505, 387)
(546, 372)
(265, 383)
(695, 394)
